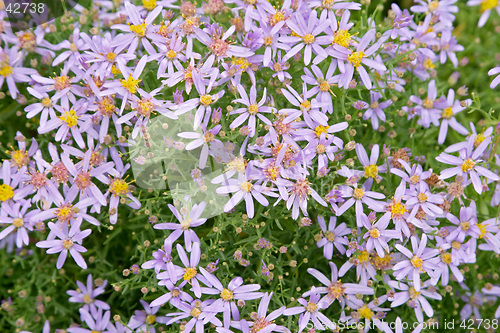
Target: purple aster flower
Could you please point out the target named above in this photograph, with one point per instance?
(64, 86)
(414, 175)
(417, 262)
(190, 272)
(187, 220)
(253, 109)
(415, 299)
(335, 289)
(496, 81)
(372, 170)
(145, 319)
(203, 141)
(307, 38)
(486, 8)
(262, 320)
(467, 164)
(473, 303)
(87, 295)
(448, 46)
(45, 107)
(298, 196)
(444, 9)
(11, 70)
(420, 197)
(309, 110)
(429, 110)
(16, 221)
(141, 30)
(270, 41)
(197, 314)
(375, 111)
(243, 188)
(97, 321)
(162, 259)
(69, 241)
(446, 262)
(489, 232)
(228, 297)
(280, 67)
(402, 20)
(310, 310)
(322, 84)
(332, 236)
(370, 313)
(174, 295)
(450, 108)
(378, 235)
(350, 60)
(465, 226)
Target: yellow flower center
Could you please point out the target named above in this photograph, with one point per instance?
(171, 54)
(111, 56)
(305, 105)
(422, 197)
(465, 226)
(398, 209)
(320, 149)
(414, 179)
(417, 262)
(253, 109)
(374, 233)
(226, 295)
(365, 312)
(330, 236)
(321, 130)
(149, 4)
(355, 58)
(6, 192)
(324, 86)
(47, 102)
(185, 224)
(18, 223)
(456, 245)
(446, 257)
(488, 4)
(277, 17)
(190, 273)
(145, 107)
(468, 164)
(482, 229)
(478, 139)
(342, 38)
(308, 39)
(206, 99)
(427, 64)
(6, 70)
(70, 118)
(358, 193)
(363, 257)
(447, 113)
(311, 307)
(61, 82)
(428, 103)
(195, 312)
(433, 5)
(118, 187)
(87, 299)
(67, 244)
(336, 290)
(241, 62)
(268, 40)
(246, 186)
(328, 3)
(138, 29)
(371, 171)
(413, 293)
(151, 318)
(130, 84)
(65, 213)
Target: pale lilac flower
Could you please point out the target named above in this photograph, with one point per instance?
(372, 170)
(97, 321)
(448, 46)
(375, 110)
(228, 297)
(446, 262)
(253, 109)
(421, 197)
(402, 20)
(298, 196)
(145, 319)
(467, 164)
(350, 60)
(187, 221)
(175, 295)
(11, 70)
(444, 9)
(86, 294)
(429, 110)
(369, 313)
(495, 71)
(69, 241)
(335, 289)
(378, 235)
(162, 258)
(190, 273)
(202, 140)
(17, 221)
(414, 299)
(332, 236)
(465, 226)
(417, 262)
(473, 303)
(308, 109)
(197, 314)
(280, 67)
(307, 38)
(486, 8)
(45, 107)
(450, 108)
(310, 310)
(414, 175)
(322, 84)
